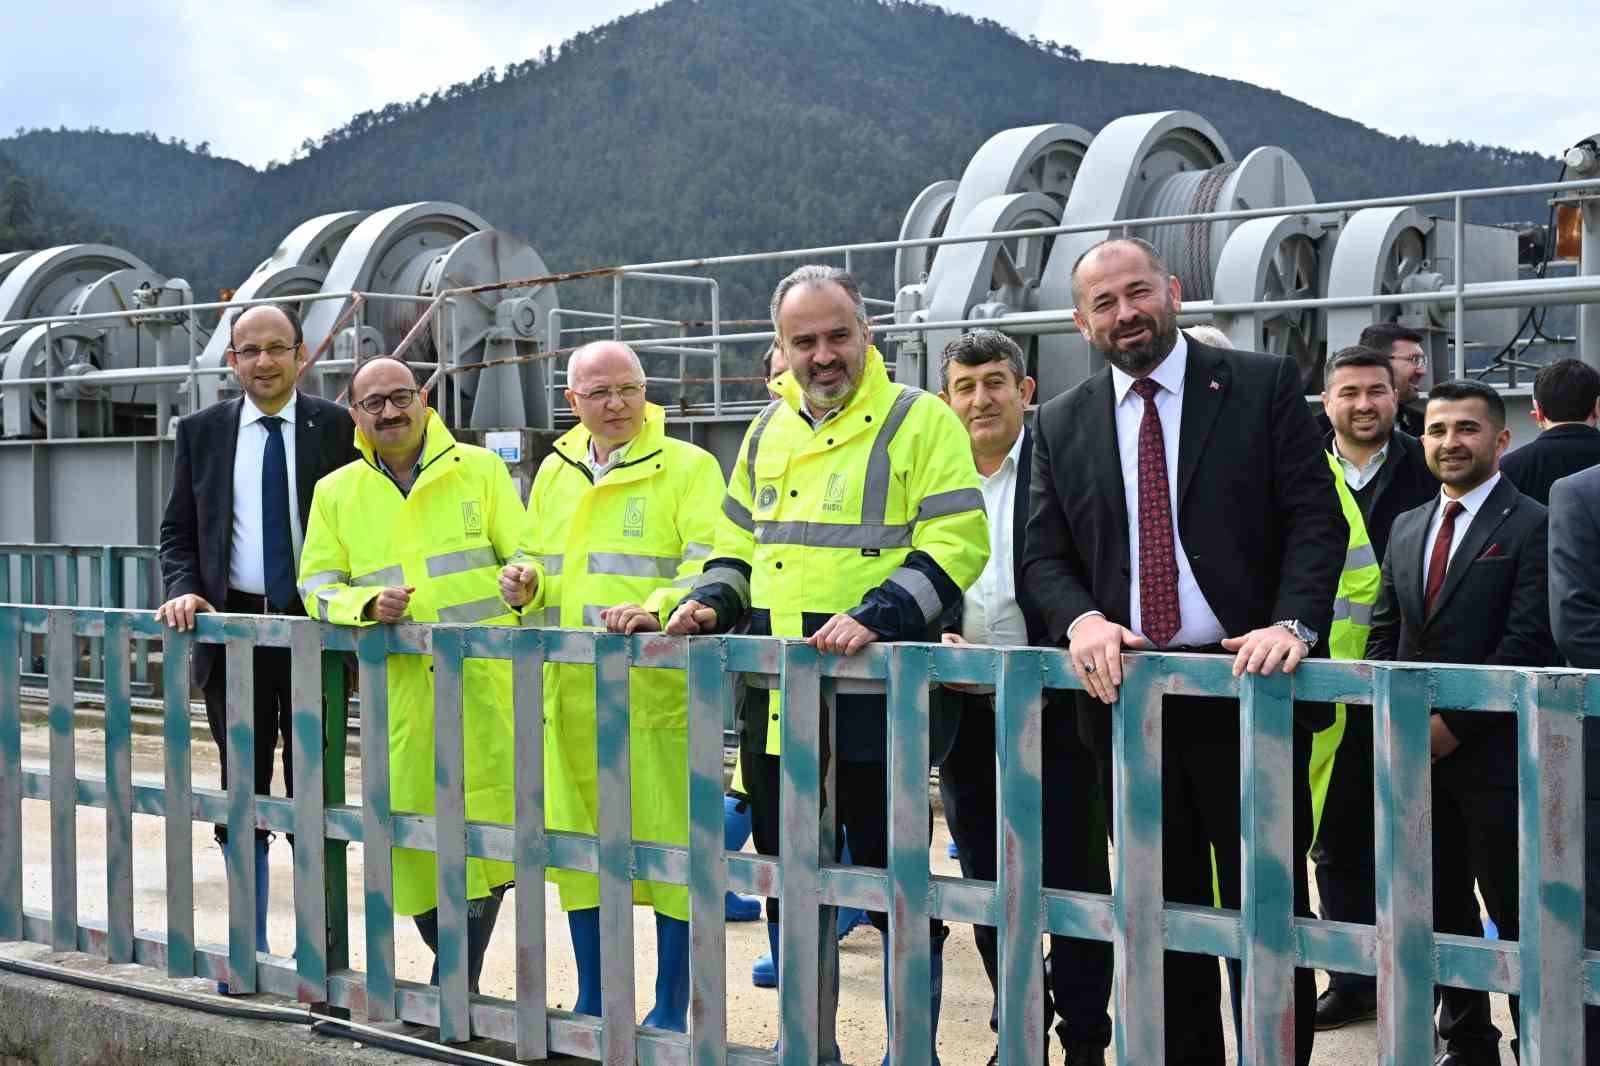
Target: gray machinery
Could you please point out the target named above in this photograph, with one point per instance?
(297, 267)
(99, 368)
(418, 251)
(411, 250)
(1168, 164)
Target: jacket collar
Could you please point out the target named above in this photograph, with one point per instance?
(874, 379)
(573, 445)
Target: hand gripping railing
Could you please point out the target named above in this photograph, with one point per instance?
(1549, 967)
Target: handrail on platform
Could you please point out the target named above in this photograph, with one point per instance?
(1549, 967)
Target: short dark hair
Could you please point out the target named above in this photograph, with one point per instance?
(1151, 257)
(1454, 391)
(287, 310)
(1566, 390)
(1357, 355)
(1383, 335)
(979, 347)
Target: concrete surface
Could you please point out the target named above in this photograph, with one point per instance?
(964, 1036)
(44, 1023)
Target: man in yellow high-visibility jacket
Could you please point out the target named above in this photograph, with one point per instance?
(853, 515)
(622, 518)
(417, 530)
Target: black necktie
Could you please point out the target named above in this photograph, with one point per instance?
(276, 534)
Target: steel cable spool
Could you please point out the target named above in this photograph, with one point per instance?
(396, 317)
(1186, 248)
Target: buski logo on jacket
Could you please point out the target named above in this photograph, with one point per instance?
(633, 517)
(471, 519)
(833, 495)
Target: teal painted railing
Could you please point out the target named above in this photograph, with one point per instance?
(81, 575)
(1549, 967)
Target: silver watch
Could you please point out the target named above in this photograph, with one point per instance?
(1301, 632)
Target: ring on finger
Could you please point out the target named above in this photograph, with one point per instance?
(1088, 668)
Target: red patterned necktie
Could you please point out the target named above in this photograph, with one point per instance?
(1158, 561)
(1439, 560)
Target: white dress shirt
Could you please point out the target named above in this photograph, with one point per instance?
(601, 469)
(1199, 623)
(989, 613)
(1357, 477)
(247, 557)
(1471, 503)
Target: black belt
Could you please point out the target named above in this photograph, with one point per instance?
(249, 603)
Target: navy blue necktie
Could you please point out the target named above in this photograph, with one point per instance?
(276, 534)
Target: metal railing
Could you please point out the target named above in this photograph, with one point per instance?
(1548, 966)
(84, 575)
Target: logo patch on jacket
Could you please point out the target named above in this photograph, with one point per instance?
(633, 517)
(768, 497)
(833, 495)
(471, 518)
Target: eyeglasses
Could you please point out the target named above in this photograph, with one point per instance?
(1411, 360)
(373, 405)
(626, 393)
(253, 352)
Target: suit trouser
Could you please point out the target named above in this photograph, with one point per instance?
(273, 710)
(1344, 852)
(861, 810)
(1474, 839)
(1074, 856)
(1200, 812)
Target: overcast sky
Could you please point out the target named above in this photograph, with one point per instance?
(255, 79)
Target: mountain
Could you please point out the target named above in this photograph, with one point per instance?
(705, 127)
(33, 215)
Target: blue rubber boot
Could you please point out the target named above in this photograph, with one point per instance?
(935, 989)
(263, 883)
(672, 976)
(263, 876)
(764, 974)
(585, 928)
(735, 831)
(848, 917)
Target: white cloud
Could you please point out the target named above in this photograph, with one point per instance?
(1474, 71)
(257, 78)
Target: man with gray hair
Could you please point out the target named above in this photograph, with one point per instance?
(853, 516)
(985, 381)
(622, 517)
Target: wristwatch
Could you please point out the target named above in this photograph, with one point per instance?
(1301, 632)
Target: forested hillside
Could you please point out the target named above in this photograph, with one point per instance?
(703, 127)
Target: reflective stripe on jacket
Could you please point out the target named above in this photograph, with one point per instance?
(876, 511)
(1347, 638)
(638, 535)
(447, 539)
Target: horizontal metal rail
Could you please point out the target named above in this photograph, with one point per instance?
(1548, 966)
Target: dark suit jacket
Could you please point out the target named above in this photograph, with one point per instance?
(1575, 589)
(1058, 733)
(1552, 455)
(1492, 609)
(197, 528)
(1401, 483)
(1258, 512)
